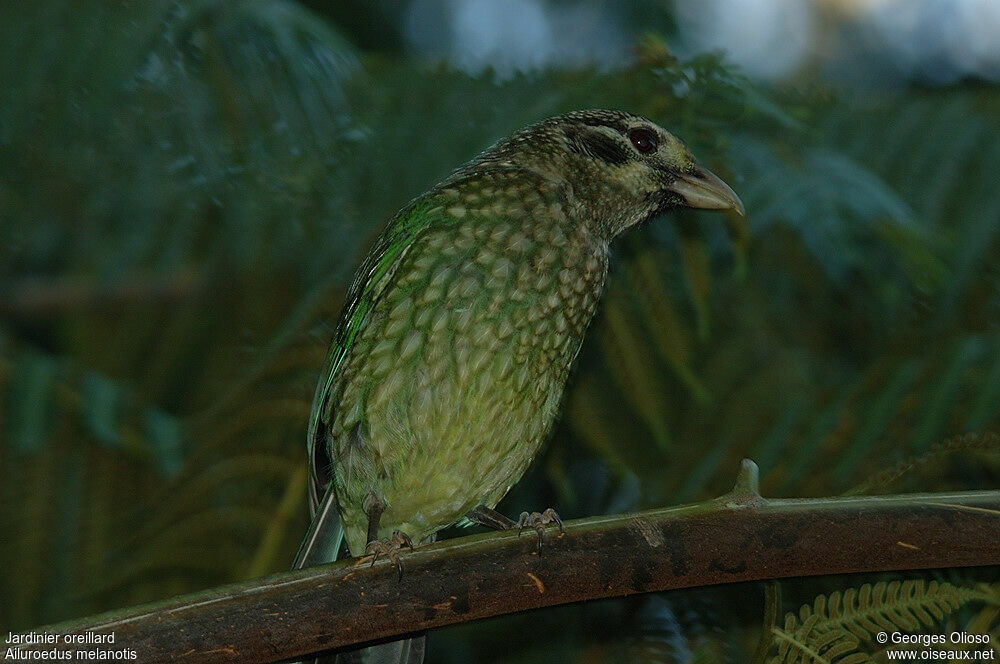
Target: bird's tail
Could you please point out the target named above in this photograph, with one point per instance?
(407, 651)
(322, 545)
(322, 541)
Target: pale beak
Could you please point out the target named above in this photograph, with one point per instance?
(702, 189)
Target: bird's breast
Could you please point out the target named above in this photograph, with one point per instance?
(461, 364)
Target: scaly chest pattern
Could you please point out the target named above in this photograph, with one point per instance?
(458, 371)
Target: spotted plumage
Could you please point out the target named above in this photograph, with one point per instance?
(465, 356)
(450, 358)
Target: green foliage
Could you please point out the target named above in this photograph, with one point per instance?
(164, 134)
(186, 188)
(45, 388)
(840, 628)
(934, 467)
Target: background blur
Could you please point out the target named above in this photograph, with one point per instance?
(186, 187)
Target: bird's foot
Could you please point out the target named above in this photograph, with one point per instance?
(490, 518)
(390, 546)
(538, 521)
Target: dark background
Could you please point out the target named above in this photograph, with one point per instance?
(186, 187)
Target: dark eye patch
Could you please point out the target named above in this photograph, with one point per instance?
(644, 139)
(599, 146)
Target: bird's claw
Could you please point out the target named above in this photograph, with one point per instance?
(390, 546)
(538, 521)
(487, 516)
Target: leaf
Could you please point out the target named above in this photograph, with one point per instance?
(835, 627)
(30, 402)
(102, 402)
(165, 435)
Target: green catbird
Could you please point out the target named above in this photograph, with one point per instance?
(449, 360)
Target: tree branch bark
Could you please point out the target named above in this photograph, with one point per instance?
(737, 537)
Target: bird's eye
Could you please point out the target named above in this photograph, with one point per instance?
(643, 139)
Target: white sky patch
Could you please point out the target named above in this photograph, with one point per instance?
(940, 39)
(767, 38)
(868, 40)
(515, 34)
(518, 35)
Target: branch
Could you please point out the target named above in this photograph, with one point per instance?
(737, 537)
(31, 298)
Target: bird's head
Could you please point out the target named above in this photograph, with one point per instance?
(619, 169)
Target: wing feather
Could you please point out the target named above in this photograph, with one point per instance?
(369, 283)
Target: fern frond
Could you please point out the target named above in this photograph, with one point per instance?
(983, 443)
(834, 627)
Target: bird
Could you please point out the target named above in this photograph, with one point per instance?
(459, 330)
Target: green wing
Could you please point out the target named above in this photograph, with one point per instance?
(369, 283)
